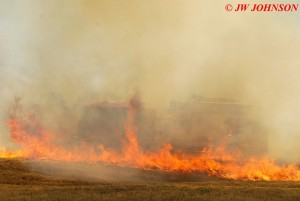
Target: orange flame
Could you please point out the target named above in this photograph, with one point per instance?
(4, 153)
(217, 162)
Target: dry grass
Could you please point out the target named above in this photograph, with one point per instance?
(17, 182)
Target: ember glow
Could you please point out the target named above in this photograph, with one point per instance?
(213, 161)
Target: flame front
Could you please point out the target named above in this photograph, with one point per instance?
(216, 162)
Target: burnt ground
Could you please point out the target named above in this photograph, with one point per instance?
(44, 180)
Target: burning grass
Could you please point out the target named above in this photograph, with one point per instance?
(214, 162)
(35, 142)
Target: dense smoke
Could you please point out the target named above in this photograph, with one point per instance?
(60, 55)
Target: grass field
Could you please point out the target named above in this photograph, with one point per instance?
(32, 180)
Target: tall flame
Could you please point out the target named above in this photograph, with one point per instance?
(216, 162)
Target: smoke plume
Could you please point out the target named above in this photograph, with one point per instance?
(59, 55)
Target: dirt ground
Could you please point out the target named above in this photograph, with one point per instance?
(42, 180)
